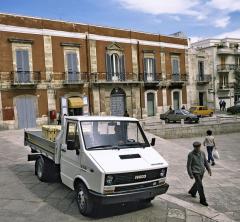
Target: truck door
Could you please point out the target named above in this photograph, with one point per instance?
(70, 154)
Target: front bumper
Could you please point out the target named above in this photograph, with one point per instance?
(128, 196)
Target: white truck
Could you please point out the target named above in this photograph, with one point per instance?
(106, 160)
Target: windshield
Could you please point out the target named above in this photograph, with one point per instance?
(113, 135)
(193, 108)
(184, 111)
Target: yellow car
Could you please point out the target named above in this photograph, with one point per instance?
(202, 110)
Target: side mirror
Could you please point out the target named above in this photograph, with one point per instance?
(153, 142)
(71, 145)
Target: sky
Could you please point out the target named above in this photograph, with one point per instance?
(197, 19)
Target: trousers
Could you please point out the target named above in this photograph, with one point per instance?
(198, 187)
(209, 150)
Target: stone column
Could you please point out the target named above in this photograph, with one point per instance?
(96, 101)
(164, 96)
(134, 62)
(47, 41)
(163, 62)
(102, 101)
(93, 56)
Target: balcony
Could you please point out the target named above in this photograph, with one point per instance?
(75, 78)
(226, 67)
(150, 77)
(100, 77)
(177, 78)
(225, 51)
(203, 79)
(18, 78)
(225, 86)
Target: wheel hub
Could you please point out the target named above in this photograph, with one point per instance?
(39, 169)
(81, 199)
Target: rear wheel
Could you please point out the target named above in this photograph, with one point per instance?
(196, 121)
(211, 114)
(41, 169)
(189, 120)
(167, 120)
(84, 200)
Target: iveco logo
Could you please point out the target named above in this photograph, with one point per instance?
(140, 177)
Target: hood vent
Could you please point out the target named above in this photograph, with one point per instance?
(129, 156)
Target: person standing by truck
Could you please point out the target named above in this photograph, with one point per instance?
(196, 165)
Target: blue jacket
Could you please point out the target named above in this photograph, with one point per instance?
(197, 164)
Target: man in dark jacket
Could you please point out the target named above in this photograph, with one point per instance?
(196, 165)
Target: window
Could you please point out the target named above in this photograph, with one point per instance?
(72, 67)
(115, 67)
(201, 71)
(175, 70)
(72, 136)
(223, 81)
(22, 60)
(149, 69)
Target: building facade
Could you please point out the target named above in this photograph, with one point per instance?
(53, 66)
(225, 63)
(200, 79)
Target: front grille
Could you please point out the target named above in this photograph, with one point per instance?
(134, 187)
(135, 177)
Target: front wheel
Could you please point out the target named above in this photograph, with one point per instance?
(211, 114)
(167, 120)
(189, 120)
(84, 200)
(196, 121)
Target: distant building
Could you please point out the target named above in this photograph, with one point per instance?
(225, 62)
(53, 65)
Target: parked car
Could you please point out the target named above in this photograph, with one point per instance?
(202, 110)
(177, 115)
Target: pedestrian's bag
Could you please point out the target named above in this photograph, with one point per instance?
(216, 154)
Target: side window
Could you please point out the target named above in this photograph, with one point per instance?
(200, 108)
(204, 108)
(23, 73)
(72, 136)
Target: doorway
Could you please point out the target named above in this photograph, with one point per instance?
(176, 100)
(200, 99)
(150, 104)
(117, 102)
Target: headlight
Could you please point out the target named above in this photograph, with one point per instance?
(109, 179)
(162, 173)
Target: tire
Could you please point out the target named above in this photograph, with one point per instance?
(189, 120)
(84, 200)
(41, 169)
(211, 114)
(167, 120)
(196, 121)
(174, 121)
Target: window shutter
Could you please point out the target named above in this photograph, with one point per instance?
(155, 69)
(236, 63)
(26, 74)
(202, 71)
(175, 70)
(74, 67)
(69, 66)
(230, 45)
(108, 67)
(123, 71)
(144, 69)
(227, 80)
(220, 81)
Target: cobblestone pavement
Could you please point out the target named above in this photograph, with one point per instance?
(24, 198)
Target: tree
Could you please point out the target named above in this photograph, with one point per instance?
(236, 84)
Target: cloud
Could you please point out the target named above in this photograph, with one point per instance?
(230, 5)
(156, 7)
(157, 20)
(233, 34)
(223, 22)
(176, 18)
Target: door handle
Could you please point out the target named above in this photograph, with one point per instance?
(63, 149)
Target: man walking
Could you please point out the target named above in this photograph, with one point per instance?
(220, 104)
(196, 165)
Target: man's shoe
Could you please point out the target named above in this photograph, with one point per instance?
(209, 161)
(193, 195)
(213, 164)
(204, 203)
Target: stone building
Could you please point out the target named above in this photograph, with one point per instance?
(49, 66)
(200, 79)
(225, 63)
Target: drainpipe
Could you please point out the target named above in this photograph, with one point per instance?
(89, 76)
(139, 79)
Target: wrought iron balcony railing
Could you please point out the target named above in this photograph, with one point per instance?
(25, 77)
(225, 86)
(75, 77)
(204, 78)
(177, 77)
(227, 67)
(150, 77)
(115, 77)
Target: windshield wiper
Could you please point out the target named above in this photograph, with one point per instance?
(96, 147)
(133, 144)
